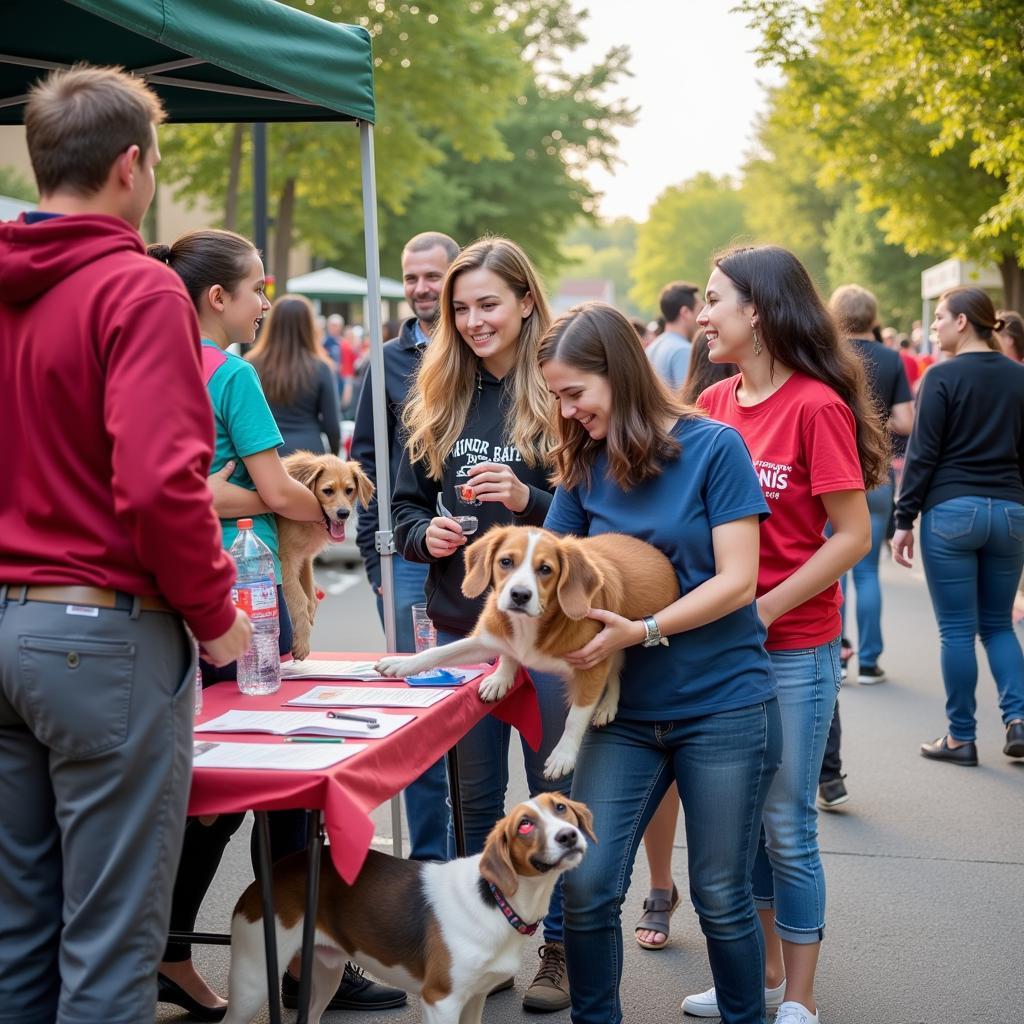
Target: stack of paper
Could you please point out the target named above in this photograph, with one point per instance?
(369, 697)
(273, 757)
(305, 723)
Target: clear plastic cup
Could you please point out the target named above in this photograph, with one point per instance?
(468, 524)
(423, 632)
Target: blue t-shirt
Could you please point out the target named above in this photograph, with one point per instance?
(244, 426)
(717, 667)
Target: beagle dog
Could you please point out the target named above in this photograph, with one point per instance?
(542, 586)
(449, 931)
(338, 486)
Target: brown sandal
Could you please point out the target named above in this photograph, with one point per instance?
(658, 908)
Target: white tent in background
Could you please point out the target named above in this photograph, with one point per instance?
(333, 285)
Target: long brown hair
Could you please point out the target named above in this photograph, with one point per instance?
(288, 350)
(596, 338)
(439, 401)
(702, 373)
(796, 329)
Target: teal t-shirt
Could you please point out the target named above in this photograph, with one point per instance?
(244, 426)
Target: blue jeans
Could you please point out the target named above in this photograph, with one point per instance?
(973, 551)
(483, 772)
(426, 800)
(722, 765)
(865, 581)
(788, 875)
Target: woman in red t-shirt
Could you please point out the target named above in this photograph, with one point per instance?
(801, 404)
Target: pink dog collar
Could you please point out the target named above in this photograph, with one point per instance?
(513, 918)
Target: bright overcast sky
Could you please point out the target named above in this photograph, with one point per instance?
(697, 87)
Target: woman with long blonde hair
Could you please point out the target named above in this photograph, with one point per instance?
(479, 441)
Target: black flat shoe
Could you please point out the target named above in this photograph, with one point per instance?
(356, 992)
(939, 750)
(1014, 740)
(171, 992)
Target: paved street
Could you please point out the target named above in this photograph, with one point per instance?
(925, 864)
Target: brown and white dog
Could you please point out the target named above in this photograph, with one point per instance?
(436, 929)
(338, 486)
(542, 587)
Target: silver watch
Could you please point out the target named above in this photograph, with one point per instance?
(654, 637)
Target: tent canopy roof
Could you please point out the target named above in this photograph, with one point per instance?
(331, 285)
(209, 60)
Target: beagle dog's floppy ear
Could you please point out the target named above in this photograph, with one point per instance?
(496, 861)
(584, 816)
(578, 580)
(305, 467)
(479, 557)
(364, 485)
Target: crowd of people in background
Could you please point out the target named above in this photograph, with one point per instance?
(752, 434)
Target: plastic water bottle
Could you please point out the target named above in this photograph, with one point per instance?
(198, 706)
(255, 592)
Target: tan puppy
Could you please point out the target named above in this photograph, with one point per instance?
(338, 486)
(542, 587)
(436, 929)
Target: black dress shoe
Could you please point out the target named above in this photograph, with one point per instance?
(1014, 740)
(171, 992)
(939, 750)
(356, 992)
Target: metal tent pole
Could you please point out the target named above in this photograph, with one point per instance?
(378, 395)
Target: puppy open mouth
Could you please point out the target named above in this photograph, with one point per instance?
(335, 528)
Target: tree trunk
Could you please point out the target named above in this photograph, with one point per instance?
(234, 176)
(283, 234)
(1013, 282)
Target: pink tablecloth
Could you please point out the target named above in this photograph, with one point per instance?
(349, 791)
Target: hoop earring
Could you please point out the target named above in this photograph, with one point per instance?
(758, 347)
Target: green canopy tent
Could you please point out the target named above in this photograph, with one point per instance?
(223, 61)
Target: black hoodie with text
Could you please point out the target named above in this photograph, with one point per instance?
(484, 438)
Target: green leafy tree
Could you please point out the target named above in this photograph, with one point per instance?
(603, 249)
(480, 130)
(919, 104)
(15, 185)
(858, 254)
(684, 228)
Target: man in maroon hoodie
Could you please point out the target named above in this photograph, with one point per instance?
(107, 543)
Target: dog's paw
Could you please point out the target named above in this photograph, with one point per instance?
(300, 650)
(560, 761)
(495, 687)
(606, 711)
(395, 665)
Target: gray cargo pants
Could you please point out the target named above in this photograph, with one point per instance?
(95, 763)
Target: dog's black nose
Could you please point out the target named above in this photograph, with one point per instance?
(342, 514)
(520, 595)
(567, 837)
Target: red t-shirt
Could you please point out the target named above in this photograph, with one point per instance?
(803, 442)
(910, 367)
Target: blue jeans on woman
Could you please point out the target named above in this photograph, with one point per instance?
(483, 772)
(973, 552)
(722, 765)
(427, 806)
(788, 876)
(865, 581)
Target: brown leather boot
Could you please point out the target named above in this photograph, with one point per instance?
(550, 988)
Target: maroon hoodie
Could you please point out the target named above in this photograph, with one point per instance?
(108, 431)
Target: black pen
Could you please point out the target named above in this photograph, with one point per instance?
(369, 720)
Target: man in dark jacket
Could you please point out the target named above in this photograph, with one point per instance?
(425, 260)
(107, 542)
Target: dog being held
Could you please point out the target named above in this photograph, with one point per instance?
(449, 931)
(542, 586)
(338, 486)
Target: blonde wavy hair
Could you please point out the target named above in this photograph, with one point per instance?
(439, 400)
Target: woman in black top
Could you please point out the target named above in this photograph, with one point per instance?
(965, 472)
(298, 378)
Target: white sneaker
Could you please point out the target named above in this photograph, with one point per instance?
(705, 1004)
(796, 1013)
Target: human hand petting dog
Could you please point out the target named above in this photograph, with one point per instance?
(618, 633)
(494, 481)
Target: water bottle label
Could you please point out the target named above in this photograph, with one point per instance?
(258, 600)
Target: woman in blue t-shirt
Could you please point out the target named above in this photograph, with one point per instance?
(700, 711)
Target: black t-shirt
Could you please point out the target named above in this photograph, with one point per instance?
(886, 376)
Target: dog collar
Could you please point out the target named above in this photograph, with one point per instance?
(513, 918)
